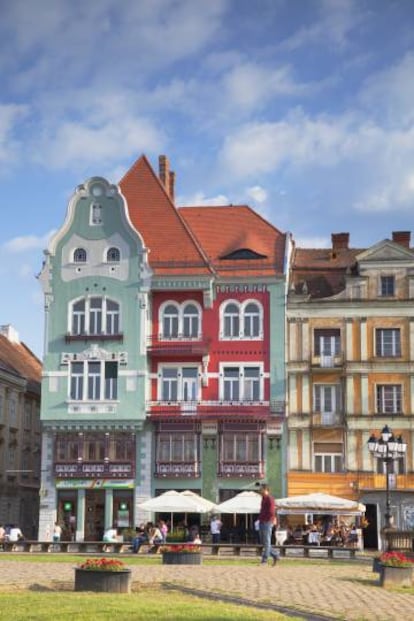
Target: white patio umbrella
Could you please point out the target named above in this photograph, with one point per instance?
(245, 502)
(206, 504)
(319, 503)
(172, 502)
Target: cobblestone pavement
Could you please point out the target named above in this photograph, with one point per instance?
(347, 591)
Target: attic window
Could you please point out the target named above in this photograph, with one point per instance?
(243, 253)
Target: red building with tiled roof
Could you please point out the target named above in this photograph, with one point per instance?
(20, 377)
(215, 401)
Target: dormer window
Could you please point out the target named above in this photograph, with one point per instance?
(79, 255)
(113, 255)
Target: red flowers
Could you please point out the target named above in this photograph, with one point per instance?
(395, 559)
(181, 548)
(102, 564)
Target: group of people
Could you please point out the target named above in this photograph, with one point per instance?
(152, 534)
(10, 533)
(326, 534)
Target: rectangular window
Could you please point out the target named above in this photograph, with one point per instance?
(387, 286)
(111, 380)
(388, 342)
(169, 384)
(328, 463)
(240, 447)
(76, 381)
(326, 398)
(176, 447)
(95, 316)
(94, 380)
(327, 342)
(112, 317)
(231, 384)
(389, 399)
(99, 378)
(251, 389)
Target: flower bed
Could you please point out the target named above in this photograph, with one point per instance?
(395, 570)
(181, 554)
(105, 575)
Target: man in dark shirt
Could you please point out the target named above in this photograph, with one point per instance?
(267, 520)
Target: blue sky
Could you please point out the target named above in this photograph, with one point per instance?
(301, 108)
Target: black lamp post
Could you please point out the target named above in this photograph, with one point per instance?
(387, 448)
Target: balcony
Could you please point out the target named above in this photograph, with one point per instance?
(180, 346)
(175, 470)
(95, 469)
(327, 363)
(208, 408)
(73, 338)
(252, 470)
(327, 419)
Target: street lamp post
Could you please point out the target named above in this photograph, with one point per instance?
(387, 448)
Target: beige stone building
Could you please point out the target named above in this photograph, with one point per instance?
(350, 367)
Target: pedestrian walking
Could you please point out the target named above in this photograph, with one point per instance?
(267, 521)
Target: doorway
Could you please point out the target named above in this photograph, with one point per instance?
(370, 532)
(95, 515)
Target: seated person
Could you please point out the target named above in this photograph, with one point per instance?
(155, 538)
(110, 536)
(141, 536)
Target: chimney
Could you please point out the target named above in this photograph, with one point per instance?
(10, 333)
(402, 238)
(340, 241)
(172, 186)
(164, 171)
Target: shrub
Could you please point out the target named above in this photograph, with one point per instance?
(102, 564)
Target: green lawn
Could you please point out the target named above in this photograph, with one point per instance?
(147, 603)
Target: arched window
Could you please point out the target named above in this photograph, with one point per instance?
(95, 316)
(113, 255)
(191, 321)
(170, 321)
(79, 255)
(251, 320)
(231, 320)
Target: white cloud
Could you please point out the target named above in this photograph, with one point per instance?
(312, 242)
(27, 243)
(389, 94)
(257, 193)
(250, 85)
(76, 144)
(200, 199)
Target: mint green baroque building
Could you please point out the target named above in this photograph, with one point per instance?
(95, 280)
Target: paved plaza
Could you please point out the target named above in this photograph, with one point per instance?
(347, 591)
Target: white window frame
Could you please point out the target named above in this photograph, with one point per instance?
(104, 315)
(244, 383)
(232, 447)
(95, 214)
(387, 338)
(89, 385)
(325, 458)
(177, 321)
(328, 400)
(386, 395)
(179, 380)
(241, 321)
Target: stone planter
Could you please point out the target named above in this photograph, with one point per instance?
(396, 576)
(181, 558)
(103, 581)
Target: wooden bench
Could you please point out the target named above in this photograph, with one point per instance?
(72, 547)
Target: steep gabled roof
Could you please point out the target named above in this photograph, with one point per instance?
(19, 360)
(225, 230)
(172, 248)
